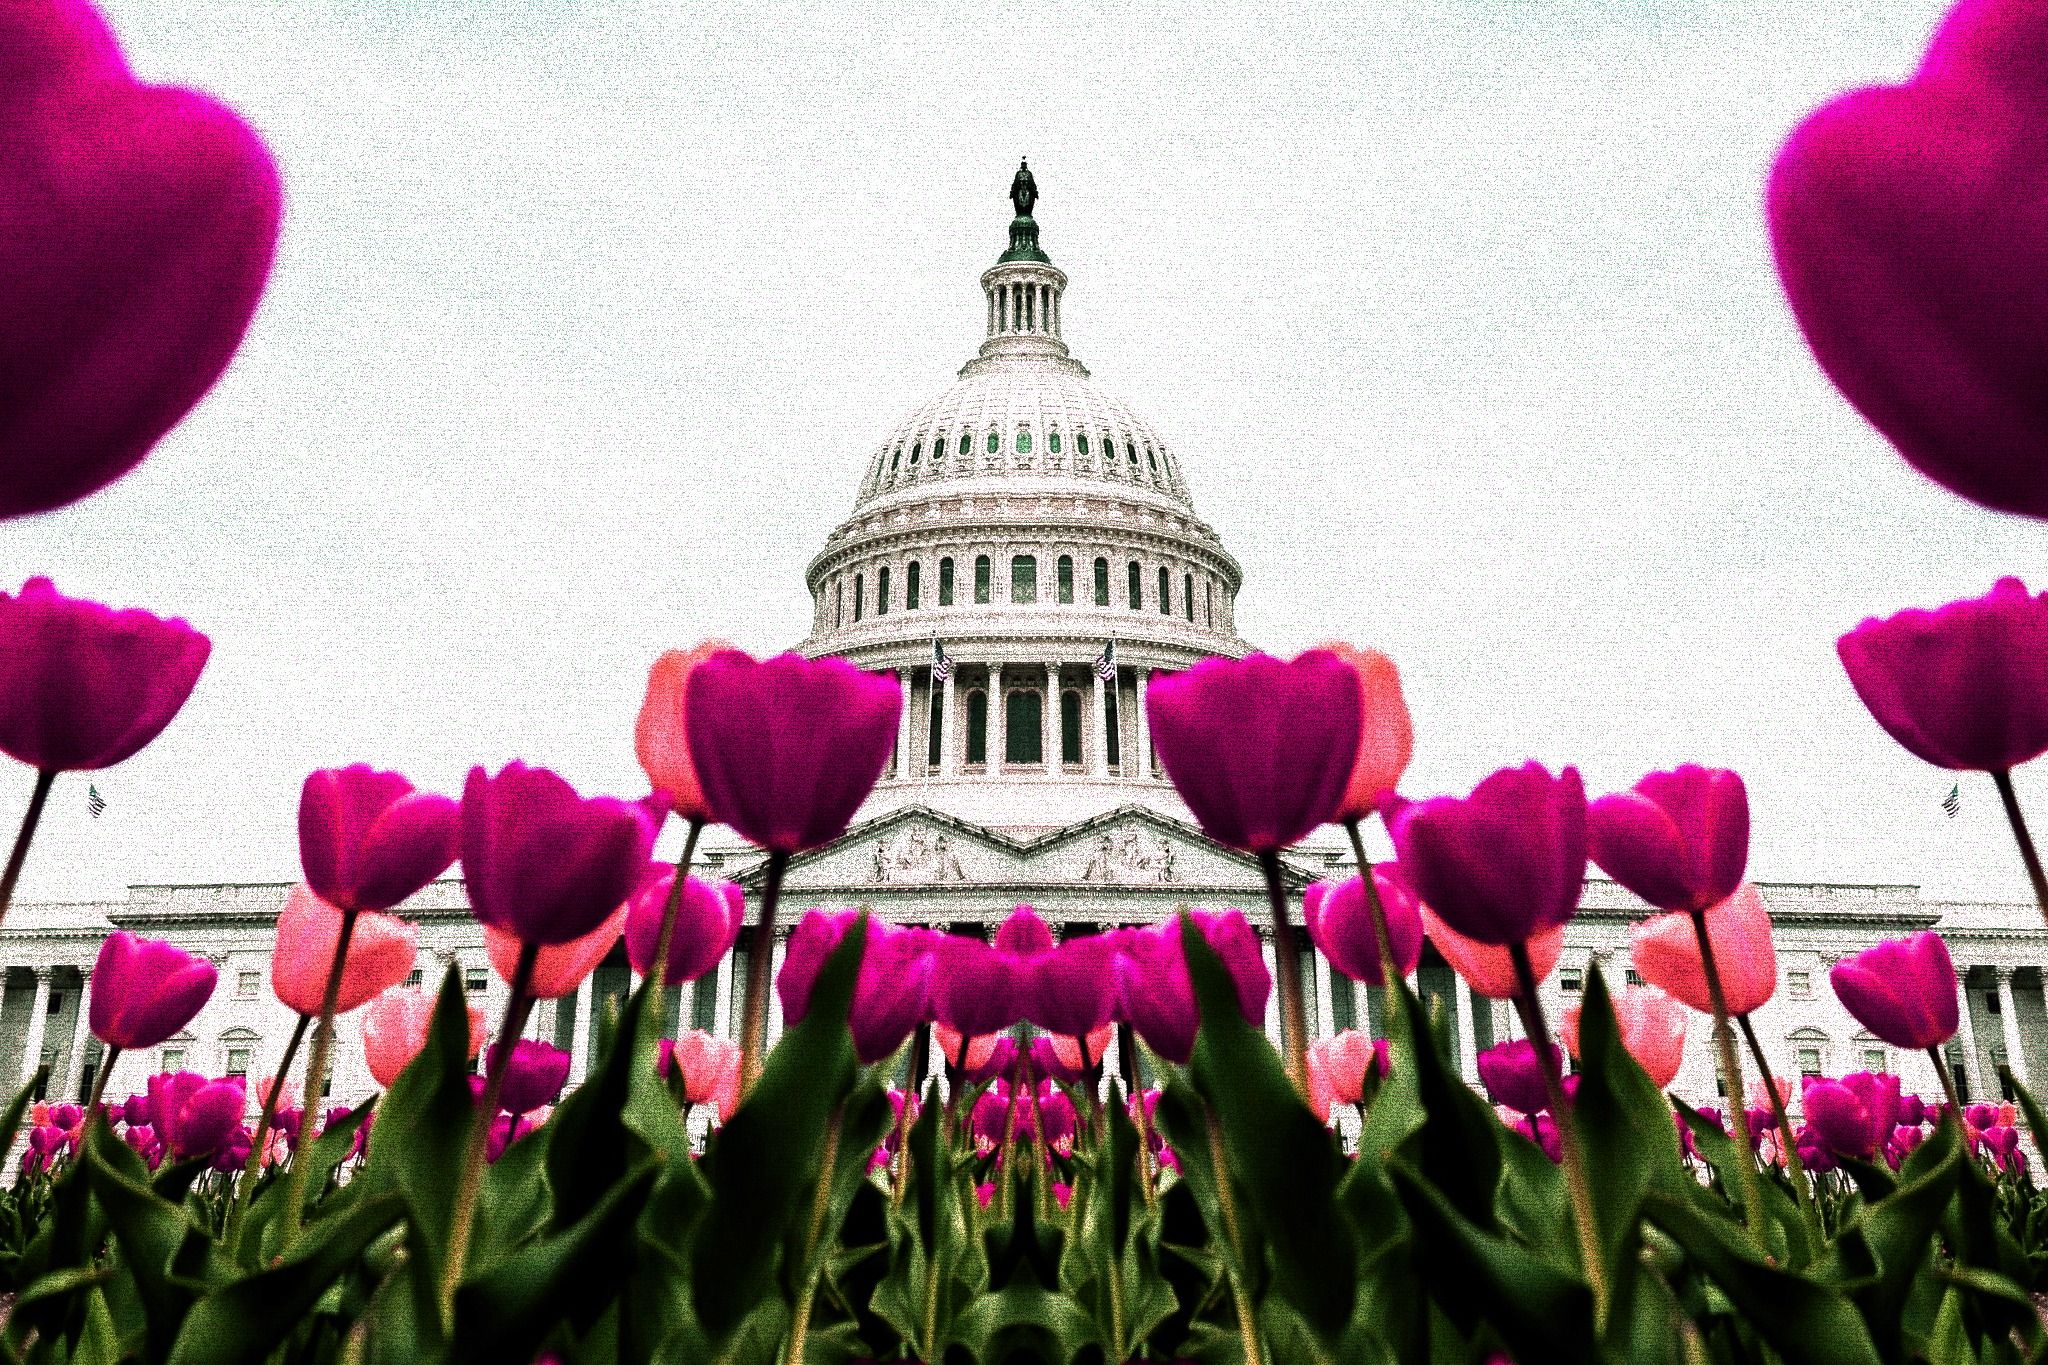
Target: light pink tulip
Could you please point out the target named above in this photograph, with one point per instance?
(1488, 969)
(395, 1028)
(1652, 1028)
(559, 968)
(381, 950)
(1666, 951)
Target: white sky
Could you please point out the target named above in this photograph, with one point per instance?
(587, 315)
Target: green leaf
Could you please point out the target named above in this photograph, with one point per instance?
(153, 1233)
(1894, 1237)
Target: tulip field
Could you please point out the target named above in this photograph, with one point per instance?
(1080, 1150)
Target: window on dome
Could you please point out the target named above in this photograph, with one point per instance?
(838, 603)
(1101, 582)
(966, 443)
(882, 592)
(1109, 450)
(981, 580)
(1165, 582)
(1187, 596)
(1151, 462)
(859, 593)
(995, 442)
(946, 582)
(916, 451)
(1208, 601)
(977, 727)
(1052, 442)
(1023, 440)
(1070, 727)
(1022, 739)
(1131, 452)
(1137, 586)
(1066, 580)
(910, 587)
(1081, 443)
(936, 713)
(1024, 578)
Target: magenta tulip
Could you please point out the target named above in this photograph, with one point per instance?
(1964, 686)
(708, 920)
(1057, 1120)
(535, 1073)
(544, 864)
(140, 225)
(989, 1121)
(1073, 988)
(1261, 749)
(146, 989)
(786, 749)
(1505, 863)
(1513, 1074)
(978, 989)
(193, 1116)
(1680, 840)
(1156, 994)
(1340, 925)
(82, 685)
(892, 993)
(1910, 224)
(367, 840)
(1837, 1120)
(1901, 989)
(1023, 934)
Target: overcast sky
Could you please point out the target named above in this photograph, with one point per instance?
(587, 315)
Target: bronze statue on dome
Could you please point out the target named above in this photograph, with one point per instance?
(1023, 190)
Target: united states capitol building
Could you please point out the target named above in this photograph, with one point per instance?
(1023, 554)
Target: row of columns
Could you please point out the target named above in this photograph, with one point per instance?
(1023, 307)
(2009, 1020)
(38, 1034)
(998, 723)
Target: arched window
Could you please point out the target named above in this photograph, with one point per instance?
(1023, 578)
(1108, 450)
(1165, 583)
(1131, 452)
(882, 591)
(1023, 740)
(1052, 442)
(838, 603)
(1081, 443)
(966, 443)
(896, 462)
(1101, 582)
(1137, 586)
(995, 441)
(946, 582)
(915, 451)
(981, 579)
(1187, 594)
(1151, 463)
(1208, 601)
(938, 720)
(1023, 440)
(1066, 580)
(859, 592)
(1070, 726)
(977, 726)
(910, 587)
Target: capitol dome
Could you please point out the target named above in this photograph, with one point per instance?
(1023, 552)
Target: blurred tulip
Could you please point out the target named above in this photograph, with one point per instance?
(193, 1115)
(381, 950)
(661, 734)
(84, 686)
(1069, 1059)
(977, 989)
(1652, 1027)
(787, 748)
(1062, 1193)
(1156, 993)
(1680, 840)
(1339, 1066)
(1505, 863)
(710, 1067)
(1072, 990)
(1901, 989)
(1340, 925)
(1838, 1121)
(535, 1073)
(395, 1028)
(145, 989)
(989, 1121)
(1057, 1121)
(1665, 950)
(1513, 1074)
(708, 920)
(1760, 1097)
(977, 1051)
(1488, 969)
(1541, 1129)
(1964, 686)
(892, 993)
(558, 968)
(1261, 749)
(367, 840)
(1386, 735)
(1022, 934)
(505, 1129)
(544, 864)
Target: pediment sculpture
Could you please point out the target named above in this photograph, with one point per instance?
(1122, 858)
(915, 858)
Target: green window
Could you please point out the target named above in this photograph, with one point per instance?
(1187, 594)
(910, 586)
(981, 579)
(1165, 581)
(1136, 585)
(977, 727)
(882, 592)
(1023, 441)
(916, 451)
(946, 582)
(1023, 579)
(1101, 582)
(1052, 443)
(1081, 442)
(966, 443)
(995, 442)
(859, 593)
(1022, 742)
(1066, 580)
(1070, 727)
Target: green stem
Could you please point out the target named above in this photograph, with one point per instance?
(760, 965)
(1948, 1082)
(245, 1189)
(1287, 960)
(29, 820)
(1240, 1294)
(1376, 911)
(1748, 1180)
(1127, 1062)
(99, 1081)
(820, 1206)
(658, 967)
(913, 1090)
(1576, 1182)
(462, 1216)
(2028, 854)
(1794, 1167)
(316, 1075)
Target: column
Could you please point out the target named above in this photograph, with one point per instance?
(721, 1004)
(74, 1067)
(949, 723)
(1049, 720)
(998, 721)
(1326, 1012)
(1973, 1082)
(38, 1016)
(903, 727)
(1272, 1021)
(1144, 754)
(2009, 1016)
(1099, 758)
(579, 1042)
(1468, 1034)
(774, 1000)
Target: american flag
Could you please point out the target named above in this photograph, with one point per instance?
(1105, 666)
(942, 662)
(1953, 802)
(94, 802)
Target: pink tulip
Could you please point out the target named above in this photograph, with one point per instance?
(1077, 1055)
(661, 734)
(1158, 996)
(787, 748)
(1901, 989)
(1262, 750)
(83, 686)
(1486, 968)
(367, 840)
(1652, 1027)
(380, 953)
(395, 1028)
(1339, 924)
(144, 990)
(977, 1050)
(1838, 1121)
(535, 1073)
(1666, 953)
(1964, 686)
(892, 992)
(1023, 934)
(1338, 1068)
(1386, 736)
(1505, 863)
(1072, 990)
(711, 1069)
(194, 1116)
(558, 968)
(978, 989)
(1512, 1073)
(544, 864)
(1680, 840)
(708, 920)
(1910, 225)
(140, 228)
(989, 1120)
